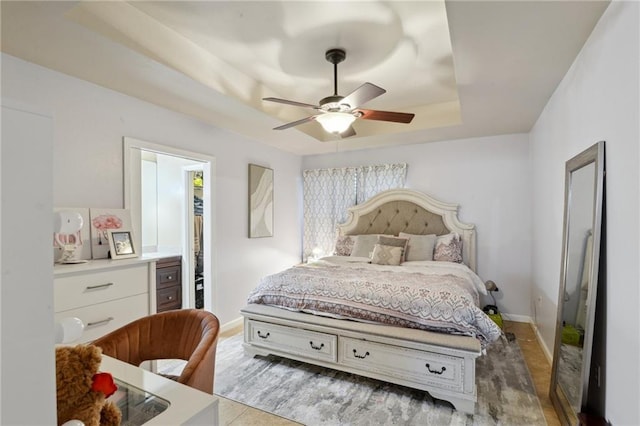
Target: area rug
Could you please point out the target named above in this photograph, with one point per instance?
(320, 396)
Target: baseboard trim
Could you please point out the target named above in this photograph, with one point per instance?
(543, 345)
(517, 318)
(528, 319)
(236, 323)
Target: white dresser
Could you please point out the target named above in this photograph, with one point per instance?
(104, 294)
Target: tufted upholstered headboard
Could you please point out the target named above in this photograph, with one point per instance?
(405, 210)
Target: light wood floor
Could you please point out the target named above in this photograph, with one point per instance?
(235, 414)
(538, 365)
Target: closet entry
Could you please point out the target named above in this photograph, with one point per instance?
(198, 246)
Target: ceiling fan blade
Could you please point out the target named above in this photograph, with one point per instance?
(295, 123)
(396, 117)
(288, 102)
(362, 94)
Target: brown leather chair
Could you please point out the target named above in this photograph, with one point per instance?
(187, 334)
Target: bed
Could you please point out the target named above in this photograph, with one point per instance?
(416, 323)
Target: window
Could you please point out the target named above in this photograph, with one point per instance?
(328, 193)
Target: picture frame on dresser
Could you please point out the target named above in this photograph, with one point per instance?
(121, 244)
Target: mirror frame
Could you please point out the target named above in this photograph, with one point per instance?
(594, 154)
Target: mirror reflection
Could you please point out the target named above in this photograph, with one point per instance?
(584, 180)
(575, 301)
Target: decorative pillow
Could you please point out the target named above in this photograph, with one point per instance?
(363, 245)
(420, 247)
(344, 245)
(386, 255)
(448, 248)
(388, 240)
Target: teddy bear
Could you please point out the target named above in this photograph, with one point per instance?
(81, 390)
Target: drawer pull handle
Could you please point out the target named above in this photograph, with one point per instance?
(436, 371)
(317, 348)
(263, 336)
(94, 287)
(169, 297)
(104, 321)
(169, 277)
(355, 353)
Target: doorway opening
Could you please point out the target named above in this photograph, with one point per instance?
(170, 194)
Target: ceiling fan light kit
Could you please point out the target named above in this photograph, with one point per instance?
(335, 122)
(337, 113)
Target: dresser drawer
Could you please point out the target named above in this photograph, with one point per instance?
(85, 289)
(103, 318)
(169, 298)
(443, 371)
(310, 344)
(168, 276)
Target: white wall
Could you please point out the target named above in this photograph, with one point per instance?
(171, 200)
(149, 205)
(489, 178)
(89, 124)
(597, 100)
(27, 332)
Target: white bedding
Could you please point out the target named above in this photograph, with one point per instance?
(437, 296)
(435, 267)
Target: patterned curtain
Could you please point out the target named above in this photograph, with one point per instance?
(375, 179)
(328, 193)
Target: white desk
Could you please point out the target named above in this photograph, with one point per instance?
(188, 406)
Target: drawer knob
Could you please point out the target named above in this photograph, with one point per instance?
(104, 321)
(263, 336)
(169, 277)
(316, 347)
(355, 353)
(94, 287)
(169, 297)
(442, 370)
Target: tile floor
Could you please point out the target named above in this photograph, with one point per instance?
(236, 414)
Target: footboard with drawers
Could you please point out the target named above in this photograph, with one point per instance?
(443, 365)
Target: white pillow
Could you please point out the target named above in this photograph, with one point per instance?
(420, 247)
(363, 247)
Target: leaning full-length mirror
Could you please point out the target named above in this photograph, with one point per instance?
(584, 176)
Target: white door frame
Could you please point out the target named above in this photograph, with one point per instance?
(132, 201)
(188, 277)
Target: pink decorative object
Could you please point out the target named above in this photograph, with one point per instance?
(104, 222)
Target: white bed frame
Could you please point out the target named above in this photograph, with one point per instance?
(441, 364)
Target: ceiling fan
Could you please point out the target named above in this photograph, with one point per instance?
(336, 113)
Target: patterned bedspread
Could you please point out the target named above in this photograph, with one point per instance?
(441, 297)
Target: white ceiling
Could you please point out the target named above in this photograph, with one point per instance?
(465, 68)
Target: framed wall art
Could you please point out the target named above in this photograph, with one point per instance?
(103, 220)
(260, 201)
(80, 239)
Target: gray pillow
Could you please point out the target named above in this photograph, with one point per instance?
(390, 240)
(420, 247)
(386, 255)
(363, 247)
